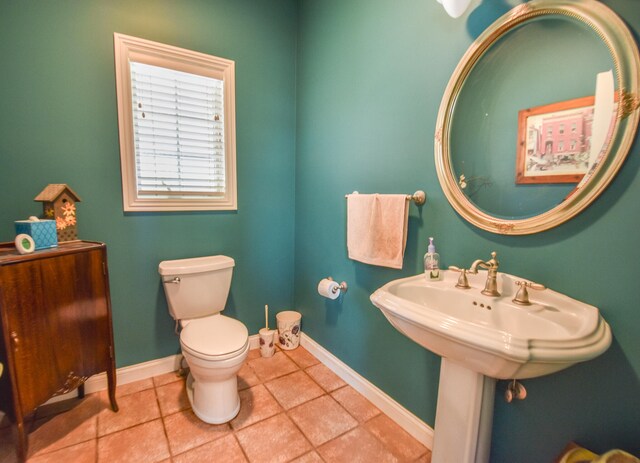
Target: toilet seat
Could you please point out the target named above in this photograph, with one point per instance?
(214, 338)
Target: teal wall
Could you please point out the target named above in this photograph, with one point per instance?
(371, 74)
(58, 124)
(332, 96)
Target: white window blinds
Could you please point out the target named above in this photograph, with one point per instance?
(176, 121)
(178, 125)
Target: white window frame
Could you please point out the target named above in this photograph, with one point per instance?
(138, 50)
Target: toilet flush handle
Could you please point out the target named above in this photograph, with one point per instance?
(176, 280)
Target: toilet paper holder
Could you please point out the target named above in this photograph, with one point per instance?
(341, 287)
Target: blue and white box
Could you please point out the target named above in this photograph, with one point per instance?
(43, 232)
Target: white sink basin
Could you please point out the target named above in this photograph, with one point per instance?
(493, 335)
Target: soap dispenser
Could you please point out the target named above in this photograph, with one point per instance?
(432, 262)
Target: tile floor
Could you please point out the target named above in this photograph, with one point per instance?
(294, 409)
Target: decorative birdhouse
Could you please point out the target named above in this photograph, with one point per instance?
(59, 204)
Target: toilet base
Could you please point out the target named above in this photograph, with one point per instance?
(214, 403)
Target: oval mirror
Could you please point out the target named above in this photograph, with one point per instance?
(538, 116)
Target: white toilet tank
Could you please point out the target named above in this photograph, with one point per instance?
(198, 286)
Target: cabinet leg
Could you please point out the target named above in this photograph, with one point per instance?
(23, 442)
(111, 382)
(81, 391)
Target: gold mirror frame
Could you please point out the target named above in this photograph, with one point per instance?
(624, 52)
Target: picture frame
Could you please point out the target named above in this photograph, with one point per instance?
(554, 142)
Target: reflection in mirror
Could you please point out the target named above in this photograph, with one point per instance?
(539, 64)
(603, 123)
(538, 116)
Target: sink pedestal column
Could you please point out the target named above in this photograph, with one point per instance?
(464, 415)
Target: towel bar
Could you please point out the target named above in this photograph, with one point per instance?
(419, 197)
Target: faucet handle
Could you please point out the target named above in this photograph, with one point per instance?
(522, 296)
(463, 282)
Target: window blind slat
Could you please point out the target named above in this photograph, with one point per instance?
(169, 159)
(181, 194)
(173, 123)
(150, 92)
(150, 132)
(172, 143)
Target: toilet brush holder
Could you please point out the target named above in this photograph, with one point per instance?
(267, 346)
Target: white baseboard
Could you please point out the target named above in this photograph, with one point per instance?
(126, 375)
(137, 372)
(407, 420)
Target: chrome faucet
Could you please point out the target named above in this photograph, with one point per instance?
(491, 286)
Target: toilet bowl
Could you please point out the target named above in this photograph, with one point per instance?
(214, 346)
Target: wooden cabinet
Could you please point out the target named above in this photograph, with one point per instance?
(56, 326)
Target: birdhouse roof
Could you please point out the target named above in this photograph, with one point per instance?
(54, 190)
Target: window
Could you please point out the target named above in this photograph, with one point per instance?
(176, 117)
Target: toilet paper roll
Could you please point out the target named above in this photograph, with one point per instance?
(24, 244)
(328, 288)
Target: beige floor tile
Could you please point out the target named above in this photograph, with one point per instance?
(247, 377)
(167, 378)
(256, 404)
(225, 449)
(253, 354)
(143, 443)
(311, 457)
(273, 440)
(136, 408)
(325, 377)
(7, 446)
(71, 427)
(186, 431)
(130, 388)
(172, 397)
(294, 389)
(426, 458)
(396, 439)
(322, 411)
(301, 357)
(356, 446)
(272, 367)
(84, 452)
(355, 403)
(55, 408)
(322, 419)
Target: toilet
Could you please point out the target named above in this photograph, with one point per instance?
(214, 346)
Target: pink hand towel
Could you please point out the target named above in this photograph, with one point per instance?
(377, 228)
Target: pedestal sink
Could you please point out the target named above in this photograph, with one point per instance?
(481, 339)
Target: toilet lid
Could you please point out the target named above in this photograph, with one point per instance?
(214, 336)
